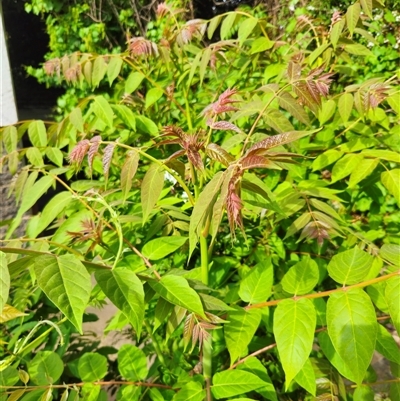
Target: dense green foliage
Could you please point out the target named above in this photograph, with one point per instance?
(237, 201)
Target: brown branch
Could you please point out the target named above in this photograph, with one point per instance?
(323, 294)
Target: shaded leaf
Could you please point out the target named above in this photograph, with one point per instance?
(45, 368)
(287, 102)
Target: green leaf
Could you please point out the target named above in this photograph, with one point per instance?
(4, 280)
(90, 392)
(176, 290)
(213, 304)
(298, 224)
(205, 59)
(333, 357)
(345, 106)
(52, 209)
(254, 365)
(99, 70)
(226, 26)
(203, 207)
(350, 267)
(352, 16)
(55, 155)
(352, 328)
(66, 282)
(395, 391)
(152, 186)
(367, 7)
(10, 138)
(363, 170)
(125, 114)
(113, 68)
(392, 294)
(132, 363)
(37, 134)
(103, 110)
(288, 102)
(125, 291)
(382, 154)
(191, 391)
(213, 25)
(326, 158)
(257, 285)
(294, 325)
(128, 171)
(92, 367)
(76, 119)
(152, 96)
(277, 120)
(306, 378)
(261, 44)
(146, 125)
(239, 331)
(326, 111)
(159, 248)
(358, 50)
(234, 382)
(363, 393)
(246, 28)
(133, 81)
(131, 393)
(45, 368)
(336, 31)
(163, 309)
(387, 346)
(345, 166)
(391, 180)
(390, 253)
(9, 313)
(301, 278)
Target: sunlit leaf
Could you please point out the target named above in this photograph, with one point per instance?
(92, 367)
(152, 186)
(301, 278)
(103, 110)
(391, 180)
(294, 325)
(392, 294)
(125, 290)
(66, 282)
(132, 363)
(239, 331)
(256, 286)
(234, 382)
(159, 248)
(45, 368)
(176, 290)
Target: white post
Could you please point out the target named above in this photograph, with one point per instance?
(8, 109)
